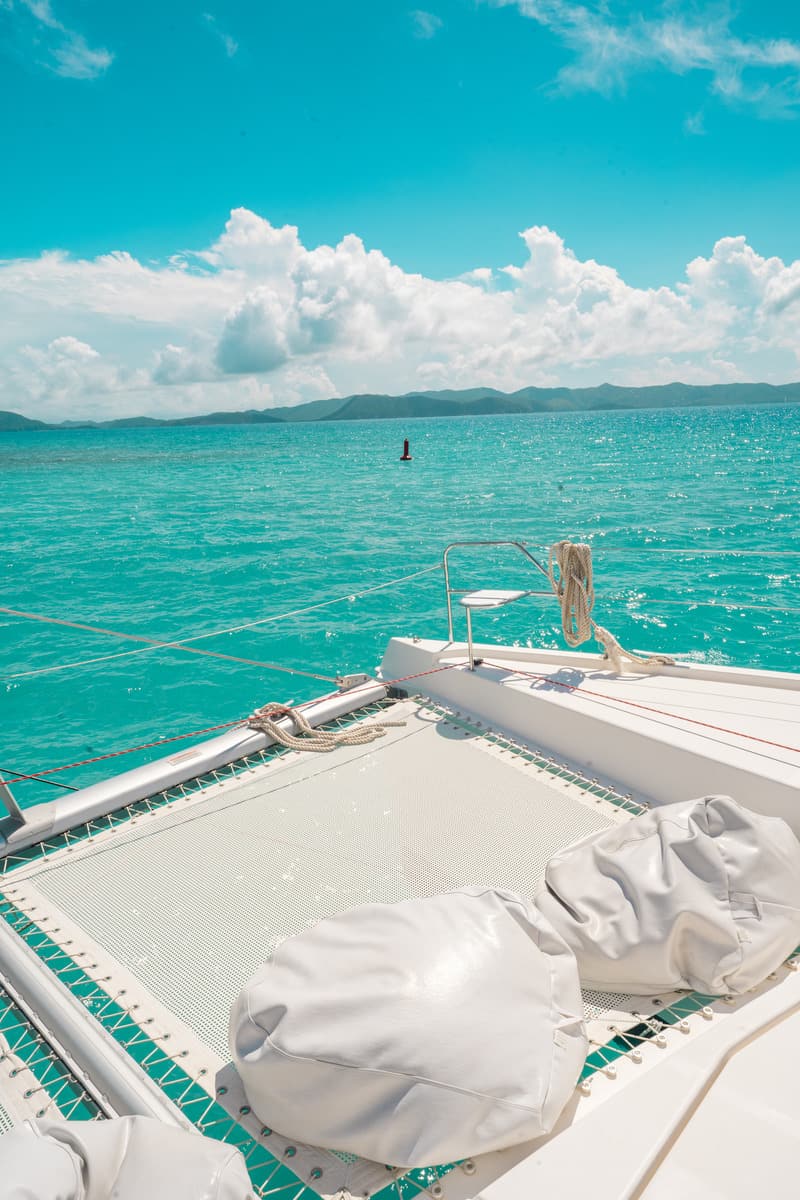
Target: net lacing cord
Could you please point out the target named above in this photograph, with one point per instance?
(307, 737)
(574, 589)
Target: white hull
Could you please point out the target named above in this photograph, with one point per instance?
(169, 897)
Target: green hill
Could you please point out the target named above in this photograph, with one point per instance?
(376, 407)
(370, 406)
(11, 422)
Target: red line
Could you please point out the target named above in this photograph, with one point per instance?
(571, 687)
(212, 728)
(116, 753)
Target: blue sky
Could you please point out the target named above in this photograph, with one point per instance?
(641, 135)
(437, 149)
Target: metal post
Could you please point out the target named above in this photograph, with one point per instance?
(469, 640)
(11, 806)
(449, 597)
(453, 545)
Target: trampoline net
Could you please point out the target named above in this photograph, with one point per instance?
(189, 901)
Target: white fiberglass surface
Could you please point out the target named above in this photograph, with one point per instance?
(193, 901)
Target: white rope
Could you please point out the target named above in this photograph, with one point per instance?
(19, 1065)
(574, 590)
(320, 740)
(177, 644)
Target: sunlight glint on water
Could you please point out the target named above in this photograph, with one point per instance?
(171, 532)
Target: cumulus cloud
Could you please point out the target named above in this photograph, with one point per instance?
(50, 379)
(34, 32)
(256, 334)
(259, 319)
(610, 43)
(182, 364)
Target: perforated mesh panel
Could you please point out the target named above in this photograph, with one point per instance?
(5, 1121)
(193, 903)
(597, 1004)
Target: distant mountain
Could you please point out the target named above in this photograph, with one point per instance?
(252, 416)
(448, 403)
(461, 396)
(12, 422)
(370, 408)
(668, 395)
(313, 410)
(120, 423)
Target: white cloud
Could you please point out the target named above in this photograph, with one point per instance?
(259, 319)
(256, 336)
(695, 123)
(53, 378)
(182, 364)
(480, 275)
(425, 24)
(229, 44)
(34, 32)
(609, 46)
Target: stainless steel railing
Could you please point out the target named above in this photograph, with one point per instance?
(451, 591)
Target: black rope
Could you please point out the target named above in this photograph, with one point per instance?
(22, 776)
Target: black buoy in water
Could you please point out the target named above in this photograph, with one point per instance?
(405, 456)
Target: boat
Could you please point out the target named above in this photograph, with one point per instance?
(135, 910)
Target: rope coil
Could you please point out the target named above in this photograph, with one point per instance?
(574, 589)
(308, 738)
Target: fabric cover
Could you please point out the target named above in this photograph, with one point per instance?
(414, 1033)
(132, 1158)
(702, 895)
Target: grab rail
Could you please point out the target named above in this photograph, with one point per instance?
(450, 592)
(115, 1081)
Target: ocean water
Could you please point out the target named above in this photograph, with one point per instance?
(170, 533)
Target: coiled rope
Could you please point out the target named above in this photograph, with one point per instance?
(307, 737)
(574, 590)
(241, 723)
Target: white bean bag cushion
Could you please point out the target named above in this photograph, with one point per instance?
(415, 1033)
(132, 1158)
(702, 895)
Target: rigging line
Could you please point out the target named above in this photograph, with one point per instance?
(711, 552)
(241, 721)
(20, 778)
(571, 687)
(131, 750)
(155, 644)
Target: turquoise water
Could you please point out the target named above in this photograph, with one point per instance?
(174, 532)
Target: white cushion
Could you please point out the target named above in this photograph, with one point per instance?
(415, 1033)
(132, 1158)
(702, 895)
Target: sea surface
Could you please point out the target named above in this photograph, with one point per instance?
(170, 533)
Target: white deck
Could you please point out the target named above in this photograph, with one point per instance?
(667, 735)
(179, 907)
